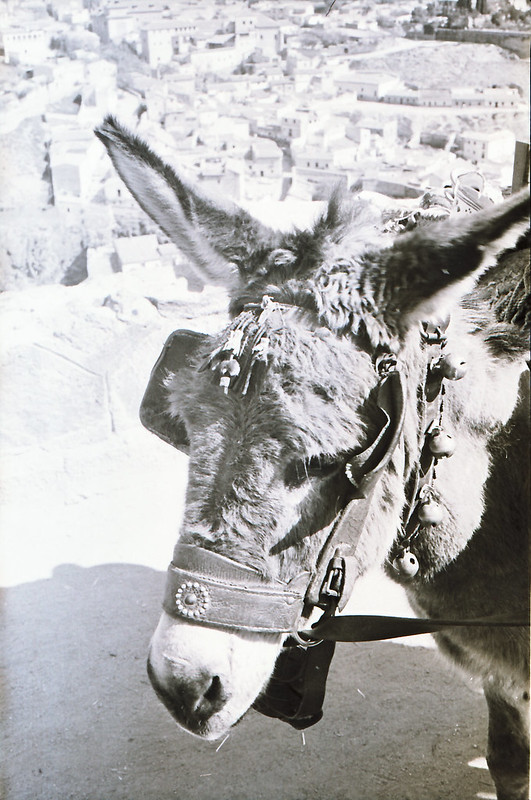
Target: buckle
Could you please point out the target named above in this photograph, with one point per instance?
(432, 333)
(334, 581)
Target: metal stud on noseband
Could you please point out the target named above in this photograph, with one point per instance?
(192, 599)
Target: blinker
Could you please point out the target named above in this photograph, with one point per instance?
(178, 352)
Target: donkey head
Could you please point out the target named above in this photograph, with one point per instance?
(268, 446)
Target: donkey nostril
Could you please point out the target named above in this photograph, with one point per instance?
(190, 700)
(215, 694)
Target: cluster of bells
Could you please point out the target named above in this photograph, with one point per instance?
(440, 444)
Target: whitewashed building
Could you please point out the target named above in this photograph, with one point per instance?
(264, 159)
(137, 251)
(402, 95)
(25, 44)
(494, 97)
(296, 122)
(497, 146)
(220, 59)
(122, 21)
(268, 36)
(222, 176)
(160, 41)
(74, 155)
(366, 85)
(71, 11)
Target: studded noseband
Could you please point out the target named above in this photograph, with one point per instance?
(209, 588)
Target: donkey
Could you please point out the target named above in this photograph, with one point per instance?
(340, 384)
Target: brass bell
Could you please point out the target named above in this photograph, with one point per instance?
(406, 564)
(452, 367)
(440, 443)
(430, 513)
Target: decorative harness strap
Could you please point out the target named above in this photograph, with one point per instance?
(336, 570)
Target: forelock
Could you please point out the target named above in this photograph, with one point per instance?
(329, 272)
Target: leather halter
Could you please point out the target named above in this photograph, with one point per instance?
(210, 589)
(213, 590)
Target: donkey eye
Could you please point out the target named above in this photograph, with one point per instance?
(299, 471)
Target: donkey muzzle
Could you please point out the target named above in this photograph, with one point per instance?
(192, 700)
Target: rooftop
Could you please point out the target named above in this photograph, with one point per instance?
(488, 136)
(265, 148)
(169, 24)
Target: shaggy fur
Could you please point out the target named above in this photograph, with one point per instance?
(266, 473)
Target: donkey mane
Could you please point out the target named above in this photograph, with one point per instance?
(500, 305)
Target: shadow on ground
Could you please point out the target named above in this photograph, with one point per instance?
(83, 723)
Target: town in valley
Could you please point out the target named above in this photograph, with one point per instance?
(264, 102)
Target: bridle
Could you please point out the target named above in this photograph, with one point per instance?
(210, 589)
(206, 587)
(203, 586)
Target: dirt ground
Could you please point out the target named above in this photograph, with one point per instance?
(83, 723)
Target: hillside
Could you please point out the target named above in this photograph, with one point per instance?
(444, 64)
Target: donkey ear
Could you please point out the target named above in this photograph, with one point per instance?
(429, 270)
(213, 237)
